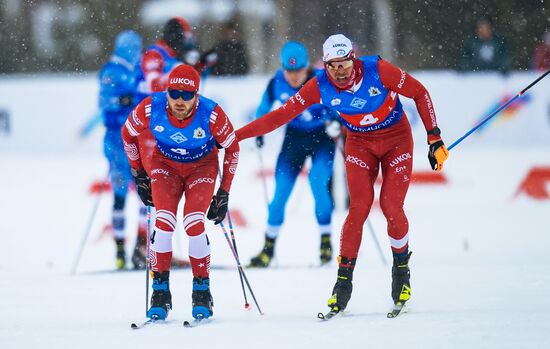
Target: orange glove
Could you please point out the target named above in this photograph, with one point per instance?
(438, 152)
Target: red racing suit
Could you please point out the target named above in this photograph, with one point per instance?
(387, 148)
(171, 179)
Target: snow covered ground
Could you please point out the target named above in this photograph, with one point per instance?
(479, 268)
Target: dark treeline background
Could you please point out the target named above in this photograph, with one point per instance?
(76, 36)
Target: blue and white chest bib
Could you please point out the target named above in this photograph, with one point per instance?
(182, 144)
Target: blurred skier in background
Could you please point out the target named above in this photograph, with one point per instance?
(305, 137)
(365, 91)
(186, 127)
(117, 98)
(176, 46)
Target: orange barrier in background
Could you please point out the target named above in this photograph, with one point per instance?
(535, 182)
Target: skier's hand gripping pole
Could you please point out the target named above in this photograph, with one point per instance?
(143, 186)
(437, 153)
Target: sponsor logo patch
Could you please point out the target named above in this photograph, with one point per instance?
(356, 161)
(400, 158)
(178, 137)
(180, 151)
(402, 79)
(184, 81)
(374, 91)
(300, 99)
(358, 103)
(199, 133)
(160, 171)
(201, 181)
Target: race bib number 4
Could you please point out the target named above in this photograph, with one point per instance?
(368, 120)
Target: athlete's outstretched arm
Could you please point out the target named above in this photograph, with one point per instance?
(222, 129)
(403, 83)
(137, 121)
(308, 95)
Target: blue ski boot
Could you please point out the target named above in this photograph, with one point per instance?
(161, 299)
(202, 299)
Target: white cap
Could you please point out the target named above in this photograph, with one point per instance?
(336, 46)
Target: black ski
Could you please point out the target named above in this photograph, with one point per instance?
(328, 316)
(397, 309)
(137, 326)
(200, 320)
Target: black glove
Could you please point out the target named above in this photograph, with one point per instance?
(143, 185)
(126, 100)
(260, 141)
(218, 206)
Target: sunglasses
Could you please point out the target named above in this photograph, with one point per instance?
(185, 95)
(347, 63)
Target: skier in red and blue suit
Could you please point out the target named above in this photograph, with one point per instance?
(175, 47)
(365, 92)
(186, 127)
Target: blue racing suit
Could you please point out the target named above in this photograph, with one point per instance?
(117, 97)
(305, 136)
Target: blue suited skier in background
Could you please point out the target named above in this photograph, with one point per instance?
(305, 136)
(117, 97)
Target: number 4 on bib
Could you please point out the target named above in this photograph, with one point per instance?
(368, 120)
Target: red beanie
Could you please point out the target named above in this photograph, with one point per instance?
(184, 77)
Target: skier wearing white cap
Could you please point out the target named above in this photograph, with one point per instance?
(365, 92)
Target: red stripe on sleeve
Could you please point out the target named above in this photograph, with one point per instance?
(222, 130)
(138, 120)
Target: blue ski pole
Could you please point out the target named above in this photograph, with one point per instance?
(497, 111)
